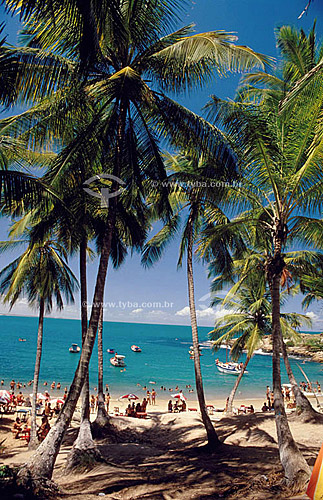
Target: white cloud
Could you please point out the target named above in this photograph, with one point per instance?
(137, 311)
(183, 312)
(206, 312)
(312, 315)
(157, 312)
(209, 312)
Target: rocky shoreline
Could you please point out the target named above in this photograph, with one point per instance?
(310, 346)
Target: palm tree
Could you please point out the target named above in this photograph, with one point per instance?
(76, 223)
(102, 413)
(129, 116)
(9, 67)
(313, 288)
(197, 201)
(41, 274)
(248, 321)
(283, 178)
(17, 184)
(238, 270)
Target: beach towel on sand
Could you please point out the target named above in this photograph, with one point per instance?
(315, 486)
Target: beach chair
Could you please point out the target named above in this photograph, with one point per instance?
(210, 409)
(23, 413)
(242, 409)
(116, 411)
(25, 435)
(141, 414)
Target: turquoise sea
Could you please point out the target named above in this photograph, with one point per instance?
(164, 358)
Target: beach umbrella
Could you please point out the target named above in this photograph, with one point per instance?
(3, 401)
(129, 396)
(39, 396)
(179, 395)
(5, 395)
(57, 400)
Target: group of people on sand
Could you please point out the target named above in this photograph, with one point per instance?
(151, 397)
(310, 387)
(94, 402)
(288, 396)
(133, 410)
(19, 427)
(178, 406)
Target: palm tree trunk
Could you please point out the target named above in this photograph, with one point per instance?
(296, 469)
(42, 462)
(213, 440)
(101, 399)
(302, 403)
(102, 421)
(85, 415)
(236, 385)
(84, 444)
(33, 443)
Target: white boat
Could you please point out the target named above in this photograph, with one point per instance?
(118, 360)
(74, 348)
(135, 348)
(229, 368)
(191, 352)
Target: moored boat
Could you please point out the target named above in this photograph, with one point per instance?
(118, 360)
(110, 351)
(74, 348)
(135, 348)
(191, 352)
(229, 368)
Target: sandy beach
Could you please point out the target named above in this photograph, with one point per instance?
(162, 456)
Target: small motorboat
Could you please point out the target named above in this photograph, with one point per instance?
(191, 352)
(22, 340)
(118, 360)
(229, 368)
(110, 351)
(74, 348)
(135, 348)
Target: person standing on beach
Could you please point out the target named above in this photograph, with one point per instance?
(92, 404)
(12, 385)
(153, 397)
(107, 401)
(148, 397)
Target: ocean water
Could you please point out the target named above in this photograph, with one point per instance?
(164, 358)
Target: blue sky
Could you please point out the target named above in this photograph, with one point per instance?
(159, 295)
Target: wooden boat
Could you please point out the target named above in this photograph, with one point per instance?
(229, 368)
(74, 348)
(118, 360)
(135, 348)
